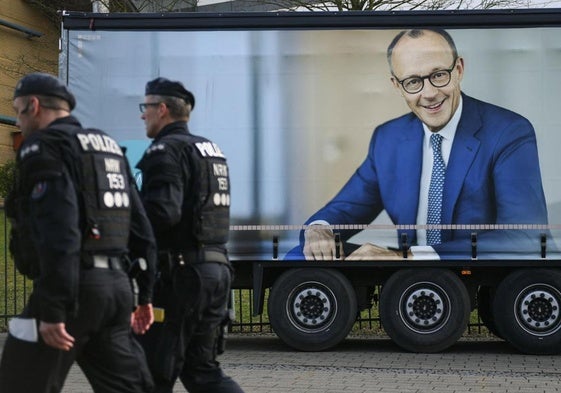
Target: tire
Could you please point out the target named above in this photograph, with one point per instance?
(485, 297)
(424, 310)
(527, 311)
(312, 309)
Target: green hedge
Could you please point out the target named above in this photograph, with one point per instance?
(6, 177)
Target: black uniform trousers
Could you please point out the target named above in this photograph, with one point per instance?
(105, 348)
(184, 346)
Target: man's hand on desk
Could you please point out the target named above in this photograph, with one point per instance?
(319, 243)
(369, 252)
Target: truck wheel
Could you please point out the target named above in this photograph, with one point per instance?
(485, 296)
(312, 309)
(424, 310)
(527, 311)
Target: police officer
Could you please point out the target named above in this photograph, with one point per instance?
(186, 193)
(75, 215)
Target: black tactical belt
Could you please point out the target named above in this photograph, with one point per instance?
(105, 262)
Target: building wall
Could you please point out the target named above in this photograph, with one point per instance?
(21, 54)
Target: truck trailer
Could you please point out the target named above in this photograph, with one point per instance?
(294, 100)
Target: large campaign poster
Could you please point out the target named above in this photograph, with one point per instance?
(294, 110)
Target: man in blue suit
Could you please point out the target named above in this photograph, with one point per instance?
(490, 171)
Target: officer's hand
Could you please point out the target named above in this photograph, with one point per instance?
(56, 336)
(142, 318)
(319, 243)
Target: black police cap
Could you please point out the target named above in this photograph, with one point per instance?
(165, 87)
(39, 83)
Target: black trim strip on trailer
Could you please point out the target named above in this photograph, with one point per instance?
(496, 18)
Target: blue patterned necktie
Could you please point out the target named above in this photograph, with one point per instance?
(435, 190)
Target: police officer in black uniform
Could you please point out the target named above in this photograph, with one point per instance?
(186, 193)
(75, 217)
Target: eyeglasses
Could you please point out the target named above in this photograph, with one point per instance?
(415, 84)
(145, 105)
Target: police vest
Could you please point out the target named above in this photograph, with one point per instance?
(211, 204)
(104, 187)
(205, 217)
(100, 173)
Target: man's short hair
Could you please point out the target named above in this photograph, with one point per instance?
(177, 107)
(416, 33)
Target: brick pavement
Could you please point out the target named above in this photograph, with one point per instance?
(262, 364)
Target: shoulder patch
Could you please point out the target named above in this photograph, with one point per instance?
(30, 150)
(39, 189)
(156, 148)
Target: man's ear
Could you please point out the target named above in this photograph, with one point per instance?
(34, 105)
(163, 109)
(396, 84)
(460, 67)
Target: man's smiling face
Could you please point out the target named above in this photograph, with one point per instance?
(422, 56)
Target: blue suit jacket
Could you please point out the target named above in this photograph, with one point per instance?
(493, 177)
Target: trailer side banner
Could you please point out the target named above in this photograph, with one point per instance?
(294, 99)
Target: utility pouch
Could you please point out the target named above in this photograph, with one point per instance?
(165, 265)
(223, 332)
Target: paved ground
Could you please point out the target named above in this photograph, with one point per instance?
(262, 364)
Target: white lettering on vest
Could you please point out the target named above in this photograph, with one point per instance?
(223, 183)
(220, 169)
(209, 149)
(112, 165)
(98, 142)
